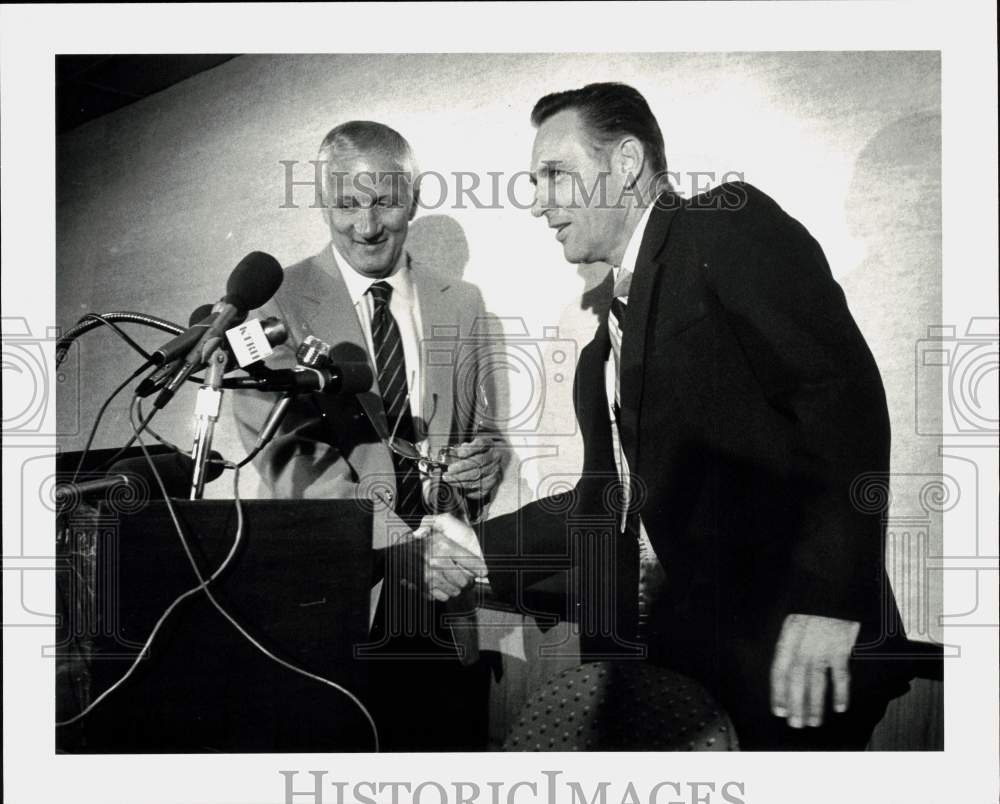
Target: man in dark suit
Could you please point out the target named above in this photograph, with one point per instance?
(361, 297)
(731, 414)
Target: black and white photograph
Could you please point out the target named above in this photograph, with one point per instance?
(485, 402)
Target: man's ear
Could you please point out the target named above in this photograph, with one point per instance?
(630, 160)
(414, 203)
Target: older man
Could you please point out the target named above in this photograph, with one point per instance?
(361, 297)
(735, 405)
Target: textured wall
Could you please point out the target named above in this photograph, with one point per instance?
(157, 203)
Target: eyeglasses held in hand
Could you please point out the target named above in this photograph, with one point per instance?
(407, 449)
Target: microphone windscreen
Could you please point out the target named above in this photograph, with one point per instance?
(254, 281)
(200, 314)
(175, 470)
(203, 315)
(355, 377)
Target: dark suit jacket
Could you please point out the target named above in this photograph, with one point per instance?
(751, 410)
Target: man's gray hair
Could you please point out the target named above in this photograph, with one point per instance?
(366, 136)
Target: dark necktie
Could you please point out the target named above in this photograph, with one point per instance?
(391, 365)
(618, 308)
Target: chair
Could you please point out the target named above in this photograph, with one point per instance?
(621, 706)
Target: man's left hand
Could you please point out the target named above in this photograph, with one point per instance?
(476, 469)
(809, 646)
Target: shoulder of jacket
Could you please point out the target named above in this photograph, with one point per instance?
(299, 270)
(735, 209)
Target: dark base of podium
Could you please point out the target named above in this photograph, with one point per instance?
(299, 585)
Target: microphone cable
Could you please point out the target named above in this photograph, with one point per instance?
(97, 419)
(156, 435)
(253, 453)
(93, 320)
(135, 434)
(203, 586)
(177, 601)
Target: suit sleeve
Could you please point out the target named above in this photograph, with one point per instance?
(295, 459)
(302, 461)
(483, 394)
(792, 323)
(527, 546)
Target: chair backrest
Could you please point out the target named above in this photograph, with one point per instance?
(621, 706)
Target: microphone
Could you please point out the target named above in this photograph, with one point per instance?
(167, 357)
(274, 330)
(66, 493)
(253, 282)
(307, 355)
(353, 378)
(174, 469)
(180, 345)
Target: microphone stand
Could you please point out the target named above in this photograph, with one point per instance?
(206, 412)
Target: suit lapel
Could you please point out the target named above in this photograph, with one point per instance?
(328, 313)
(644, 285)
(439, 327)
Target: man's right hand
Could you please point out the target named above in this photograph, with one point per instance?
(451, 556)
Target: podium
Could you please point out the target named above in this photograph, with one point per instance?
(299, 584)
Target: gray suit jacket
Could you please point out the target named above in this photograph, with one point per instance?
(328, 445)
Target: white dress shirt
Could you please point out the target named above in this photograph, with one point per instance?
(404, 305)
(611, 371)
(651, 575)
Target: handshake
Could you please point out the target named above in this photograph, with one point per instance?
(446, 558)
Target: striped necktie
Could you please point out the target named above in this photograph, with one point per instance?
(391, 365)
